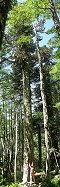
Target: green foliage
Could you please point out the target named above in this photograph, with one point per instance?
(46, 182)
(13, 185)
(56, 71)
(56, 181)
(38, 6)
(20, 24)
(23, 39)
(57, 105)
(1, 180)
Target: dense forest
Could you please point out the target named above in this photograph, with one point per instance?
(30, 93)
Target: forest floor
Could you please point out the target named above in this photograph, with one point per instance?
(54, 181)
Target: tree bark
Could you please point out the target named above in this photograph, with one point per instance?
(16, 140)
(3, 139)
(4, 8)
(55, 17)
(28, 137)
(45, 112)
(39, 144)
(53, 142)
(45, 115)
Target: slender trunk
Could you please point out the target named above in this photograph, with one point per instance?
(53, 141)
(22, 126)
(45, 113)
(28, 138)
(3, 142)
(12, 132)
(55, 17)
(9, 139)
(4, 119)
(6, 126)
(3, 151)
(19, 138)
(9, 126)
(39, 144)
(22, 141)
(11, 151)
(1, 145)
(16, 139)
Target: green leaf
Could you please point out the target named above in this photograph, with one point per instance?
(23, 39)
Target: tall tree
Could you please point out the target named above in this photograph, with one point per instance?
(24, 47)
(43, 95)
(28, 139)
(16, 142)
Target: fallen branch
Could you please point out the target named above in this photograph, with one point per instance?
(39, 174)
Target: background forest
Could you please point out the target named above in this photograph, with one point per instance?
(30, 93)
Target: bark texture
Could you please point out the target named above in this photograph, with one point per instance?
(45, 112)
(45, 116)
(16, 141)
(4, 8)
(28, 138)
(55, 17)
(39, 144)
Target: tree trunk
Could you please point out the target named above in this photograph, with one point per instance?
(16, 139)
(9, 126)
(22, 136)
(55, 17)
(28, 138)
(3, 142)
(11, 152)
(39, 144)
(53, 142)
(6, 126)
(4, 8)
(45, 113)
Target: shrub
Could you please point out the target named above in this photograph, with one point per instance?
(46, 182)
(15, 185)
(12, 185)
(56, 181)
(1, 180)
